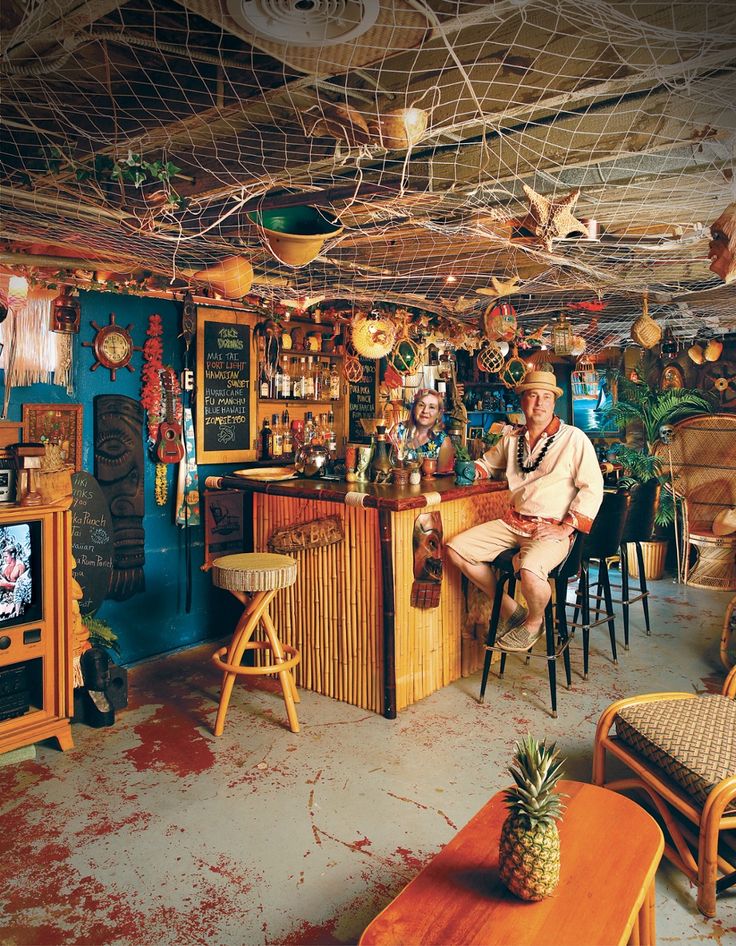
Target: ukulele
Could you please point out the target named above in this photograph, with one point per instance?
(170, 448)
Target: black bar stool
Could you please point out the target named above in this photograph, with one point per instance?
(644, 502)
(559, 578)
(603, 542)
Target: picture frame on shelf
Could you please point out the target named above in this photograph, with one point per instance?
(56, 424)
(475, 433)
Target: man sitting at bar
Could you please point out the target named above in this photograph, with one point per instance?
(556, 489)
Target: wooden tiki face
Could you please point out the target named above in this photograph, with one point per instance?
(722, 246)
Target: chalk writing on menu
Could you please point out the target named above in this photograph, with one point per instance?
(226, 396)
(91, 541)
(362, 401)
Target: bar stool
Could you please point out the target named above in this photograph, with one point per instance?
(254, 578)
(644, 502)
(558, 578)
(603, 542)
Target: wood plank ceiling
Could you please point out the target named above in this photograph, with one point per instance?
(630, 102)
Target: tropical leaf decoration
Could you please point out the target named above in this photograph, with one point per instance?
(650, 409)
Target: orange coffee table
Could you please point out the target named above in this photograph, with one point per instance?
(611, 849)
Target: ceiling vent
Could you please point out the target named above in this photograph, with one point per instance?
(306, 22)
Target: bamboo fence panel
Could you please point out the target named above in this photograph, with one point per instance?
(332, 612)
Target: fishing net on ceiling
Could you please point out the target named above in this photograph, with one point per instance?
(146, 137)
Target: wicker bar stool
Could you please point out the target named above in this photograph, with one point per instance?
(254, 578)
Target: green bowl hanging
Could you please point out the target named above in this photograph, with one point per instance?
(295, 235)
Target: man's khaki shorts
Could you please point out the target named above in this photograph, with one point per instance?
(483, 543)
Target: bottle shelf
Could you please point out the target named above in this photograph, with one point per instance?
(294, 400)
(303, 353)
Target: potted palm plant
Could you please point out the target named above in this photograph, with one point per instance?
(648, 409)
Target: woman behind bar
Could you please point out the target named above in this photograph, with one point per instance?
(424, 433)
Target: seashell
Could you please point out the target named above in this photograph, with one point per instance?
(713, 350)
(342, 122)
(400, 128)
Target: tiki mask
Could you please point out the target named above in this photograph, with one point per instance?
(119, 471)
(425, 591)
(722, 246)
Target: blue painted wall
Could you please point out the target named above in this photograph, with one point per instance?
(154, 621)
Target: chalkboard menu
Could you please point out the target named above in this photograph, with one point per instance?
(91, 541)
(362, 402)
(225, 397)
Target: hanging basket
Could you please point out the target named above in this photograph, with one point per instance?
(515, 370)
(499, 322)
(295, 235)
(645, 331)
(490, 358)
(373, 337)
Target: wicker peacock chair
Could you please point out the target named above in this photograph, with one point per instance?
(701, 459)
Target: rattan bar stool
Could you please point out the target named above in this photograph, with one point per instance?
(254, 578)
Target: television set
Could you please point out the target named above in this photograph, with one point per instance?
(21, 558)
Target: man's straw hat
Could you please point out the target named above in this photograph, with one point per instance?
(725, 522)
(539, 381)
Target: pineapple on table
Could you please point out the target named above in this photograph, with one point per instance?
(529, 853)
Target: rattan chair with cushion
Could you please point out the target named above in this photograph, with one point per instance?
(681, 749)
(701, 459)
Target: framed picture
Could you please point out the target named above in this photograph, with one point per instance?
(59, 424)
(475, 433)
(223, 523)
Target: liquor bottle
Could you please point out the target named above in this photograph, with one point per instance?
(288, 440)
(278, 378)
(285, 378)
(300, 385)
(285, 418)
(309, 381)
(310, 428)
(316, 380)
(380, 466)
(266, 441)
(277, 440)
(263, 381)
(325, 380)
(334, 383)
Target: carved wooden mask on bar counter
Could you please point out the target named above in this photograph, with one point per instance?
(427, 538)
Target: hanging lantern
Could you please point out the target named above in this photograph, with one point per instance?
(696, 354)
(65, 312)
(645, 331)
(562, 336)
(490, 358)
(499, 322)
(669, 343)
(515, 370)
(584, 379)
(406, 357)
(17, 289)
(373, 336)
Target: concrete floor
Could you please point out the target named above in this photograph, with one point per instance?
(153, 832)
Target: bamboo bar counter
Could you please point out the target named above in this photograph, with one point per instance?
(349, 612)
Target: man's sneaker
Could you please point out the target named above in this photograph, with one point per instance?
(520, 638)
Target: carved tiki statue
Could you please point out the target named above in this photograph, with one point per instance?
(722, 246)
(425, 590)
(119, 471)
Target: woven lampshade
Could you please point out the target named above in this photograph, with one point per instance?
(645, 331)
(562, 336)
(373, 337)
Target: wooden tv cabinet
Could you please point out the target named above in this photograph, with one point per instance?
(43, 645)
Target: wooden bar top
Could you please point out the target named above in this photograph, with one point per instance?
(610, 850)
(393, 498)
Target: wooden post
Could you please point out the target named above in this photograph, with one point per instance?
(389, 617)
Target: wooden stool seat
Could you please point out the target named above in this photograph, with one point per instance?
(254, 578)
